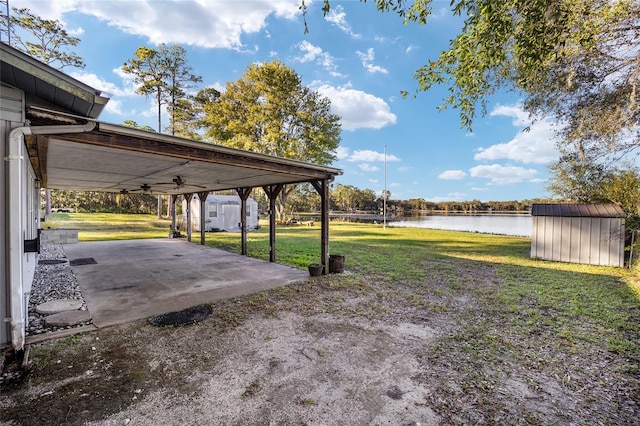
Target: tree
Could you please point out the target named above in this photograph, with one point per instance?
(577, 181)
(575, 60)
(344, 196)
(43, 39)
(47, 41)
(180, 79)
(135, 125)
(623, 188)
(188, 113)
(163, 73)
(268, 110)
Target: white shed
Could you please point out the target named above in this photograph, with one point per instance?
(222, 213)
(579, 233)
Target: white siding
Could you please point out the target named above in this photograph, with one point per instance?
(11, 104)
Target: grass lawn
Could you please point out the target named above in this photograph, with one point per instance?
(111, 226)
(555, 328)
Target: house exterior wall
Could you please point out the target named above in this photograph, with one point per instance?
(12, 116)
(589, 240)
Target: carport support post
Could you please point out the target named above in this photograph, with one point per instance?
(322, 186)
(243, 193)
(172, 211)
(188, 198)
(272, 192)
(203, 200)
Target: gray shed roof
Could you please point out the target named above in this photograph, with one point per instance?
(578, 210)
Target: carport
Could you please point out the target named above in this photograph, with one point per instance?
(93, 156)
(52, 119)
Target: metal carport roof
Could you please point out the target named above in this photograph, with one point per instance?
(114, 158)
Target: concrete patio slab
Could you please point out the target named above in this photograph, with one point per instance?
(135, 279)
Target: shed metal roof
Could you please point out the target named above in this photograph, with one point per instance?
(578, 210)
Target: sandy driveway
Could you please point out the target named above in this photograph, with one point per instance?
(332, 350)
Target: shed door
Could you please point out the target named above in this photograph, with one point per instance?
(230, 216)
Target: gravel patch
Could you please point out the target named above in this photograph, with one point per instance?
(52, 281)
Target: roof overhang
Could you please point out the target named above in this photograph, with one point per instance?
(115, 158)
(48, 87)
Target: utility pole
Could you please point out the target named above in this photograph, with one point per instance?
(384, 194)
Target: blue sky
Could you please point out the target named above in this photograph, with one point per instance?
(359, 58)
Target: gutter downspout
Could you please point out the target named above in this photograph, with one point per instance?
(15, 220)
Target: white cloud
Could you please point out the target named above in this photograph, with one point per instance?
(367, 61)
(312, 53)
(454, 196)
(114, 106)
(47, 9)
(342, 152)
(537, 145)
(359, 110)
(108, 88)
(212, 24)
(475, 188)
(452, 175)
(368, 167)
(502, 175)
(338, 17)
(395, 185)
(76, 32)
(520, 117)
(457, 195)
(404, 169)
(373, 180)
(369, 156)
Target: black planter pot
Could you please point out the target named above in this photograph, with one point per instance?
(315, 270)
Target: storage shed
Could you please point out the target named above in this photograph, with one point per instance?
(222, 213)
(578, 233)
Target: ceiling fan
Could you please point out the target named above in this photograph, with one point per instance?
(179, 182)
(144, 188)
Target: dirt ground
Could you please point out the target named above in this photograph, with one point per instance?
(334, 350)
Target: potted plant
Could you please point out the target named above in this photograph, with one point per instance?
(315, 269)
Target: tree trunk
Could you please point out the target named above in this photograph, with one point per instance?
(281, 201)
(159, 206)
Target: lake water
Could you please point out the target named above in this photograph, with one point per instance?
(504, 224)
